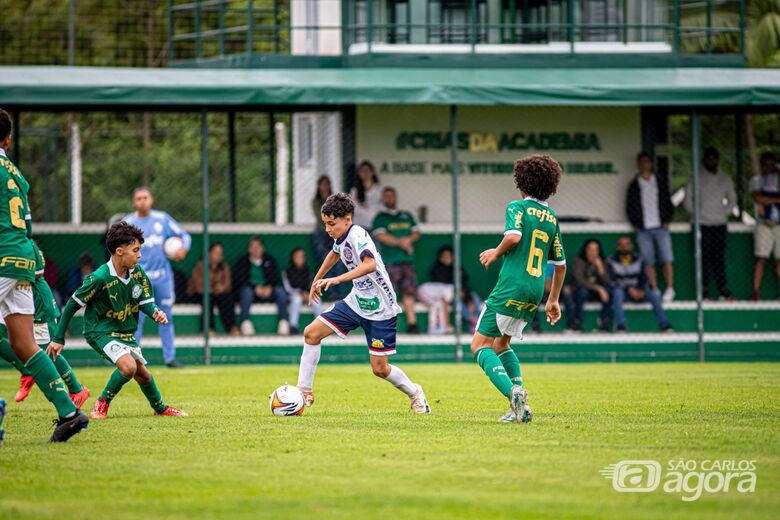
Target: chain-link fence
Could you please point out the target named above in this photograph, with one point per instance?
(625, 216)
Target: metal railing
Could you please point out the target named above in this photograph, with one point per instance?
(212, 29)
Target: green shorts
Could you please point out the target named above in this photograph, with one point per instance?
(114, 346)
(495, 325)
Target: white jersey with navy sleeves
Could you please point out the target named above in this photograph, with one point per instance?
(372, 295)
(157, 227)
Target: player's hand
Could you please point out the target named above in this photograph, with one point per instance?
(179, 255)
(323, 284)
(54, 349)
(553, 311)
(314, 294)
(487, 257)
(160, 317)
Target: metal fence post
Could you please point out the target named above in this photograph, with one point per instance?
(204, 171)
(570, 8)
(71, 32)
(250, 28)
(456, 264)
(369, 24)
(171, 30)
(696, 164)
(677, 37)
(197, 29)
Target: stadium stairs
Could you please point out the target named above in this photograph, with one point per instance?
(736, 331)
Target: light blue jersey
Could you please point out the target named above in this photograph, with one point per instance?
(157, 227)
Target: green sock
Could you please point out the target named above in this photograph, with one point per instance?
(153, 395)
(45, 374)
(512, 365)
(67, 374)
(7, 353)
(491, 365)
(114, 385)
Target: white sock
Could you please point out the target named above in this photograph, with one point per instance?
(401, 381)
(309, 360)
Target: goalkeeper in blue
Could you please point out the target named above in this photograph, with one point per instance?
(158, 227)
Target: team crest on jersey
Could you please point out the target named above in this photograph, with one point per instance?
(349, 255)
(137, 290)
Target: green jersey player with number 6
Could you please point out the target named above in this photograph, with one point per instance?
(532, 237)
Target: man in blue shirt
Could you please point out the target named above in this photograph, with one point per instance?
(158, 227)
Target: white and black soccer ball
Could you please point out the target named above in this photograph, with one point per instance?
(286, 400)
(172, 245)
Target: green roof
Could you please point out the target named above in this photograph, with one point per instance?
(137, 87)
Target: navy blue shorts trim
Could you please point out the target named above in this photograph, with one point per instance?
(380, 335)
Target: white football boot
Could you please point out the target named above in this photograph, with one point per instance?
(419, 402)
(517, 402)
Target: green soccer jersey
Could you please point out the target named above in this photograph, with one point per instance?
(17, 259)
(112, 303)
(520, 285)
(399, 224)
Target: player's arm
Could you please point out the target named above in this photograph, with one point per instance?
(552, 308)
(147, 305)
(327, 264)
(92, 284)
(509, 242)
(367, 266)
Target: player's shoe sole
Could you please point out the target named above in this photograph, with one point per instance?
(68, 427)
(517, 399)
(419, 403)
(508, 417)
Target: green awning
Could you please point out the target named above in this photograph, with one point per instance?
(136, 87)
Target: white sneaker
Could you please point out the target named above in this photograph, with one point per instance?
(669, 294)
(419, 402)
(247, 328)
(517, 402)
(508, 417)
(284, 328)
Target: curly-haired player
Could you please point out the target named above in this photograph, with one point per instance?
(112, 296)
(371, 305)
(532, 238)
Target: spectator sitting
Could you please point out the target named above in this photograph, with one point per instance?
(397, 232)
(367, 194)
(765, 190)
(716, 201)
(471, 307)
(439, 292)
(77, 274)
(296, 280)
(257, 280)
(630, 281)
(590, 281)
(220, 288)
(649, 208)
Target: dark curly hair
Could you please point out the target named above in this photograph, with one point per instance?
(537, 176)
(338, 205)
(5, 124)
(122, 234)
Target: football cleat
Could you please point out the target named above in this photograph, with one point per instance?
(517, 398)
(172, 411)
(25, 385)
(527, 414)
(65, 428)
(99, 410)
(418, 401)
(79, 398)
(508, 417)
(308, 398)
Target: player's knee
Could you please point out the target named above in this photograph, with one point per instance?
(311, 335)
(382, 370)
(127, 370)
(143, 378)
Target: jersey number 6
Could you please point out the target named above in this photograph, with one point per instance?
(14, 205)
(536, 256)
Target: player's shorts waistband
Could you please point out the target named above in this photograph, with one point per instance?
(124, 336)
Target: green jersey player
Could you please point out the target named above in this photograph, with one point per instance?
(17, 273)
(532, 238)
(112, 297)
(44, 325)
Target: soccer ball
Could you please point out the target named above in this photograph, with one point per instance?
(172, 245)
(286, 400)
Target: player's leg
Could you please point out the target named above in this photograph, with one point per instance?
(124, 372)
(26, 382)
(164, 298)
(150, 390)
(42, 333)
(511, 364)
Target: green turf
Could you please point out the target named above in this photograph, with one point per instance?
(359, 453)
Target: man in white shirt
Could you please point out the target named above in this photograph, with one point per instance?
(765, 190)
(649, 209)
(717, 199)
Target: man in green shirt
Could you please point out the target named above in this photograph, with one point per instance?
(17, 273)
(532, 238)
(397, 231)
(111, 297)
(44, 325)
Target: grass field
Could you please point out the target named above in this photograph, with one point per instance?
(360, 453)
